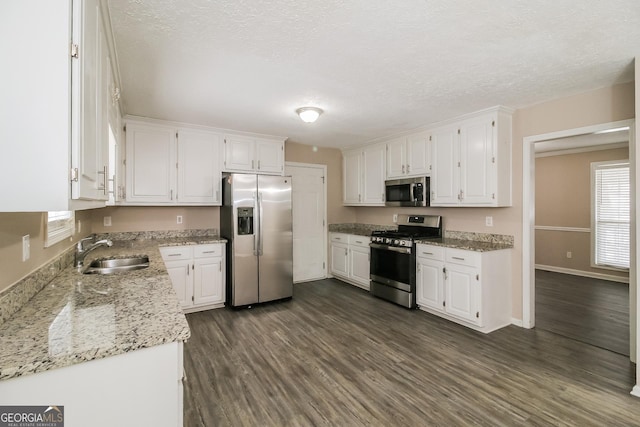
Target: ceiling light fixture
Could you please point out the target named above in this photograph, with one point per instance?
(309, 114)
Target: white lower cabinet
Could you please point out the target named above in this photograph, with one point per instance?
(144, 385)
(468, 287)
(197, 274)
(350, 258)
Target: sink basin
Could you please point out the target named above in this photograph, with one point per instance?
(111, 266)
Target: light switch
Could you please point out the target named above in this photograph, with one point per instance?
(179, 219)
(489, 221)
(106, 221)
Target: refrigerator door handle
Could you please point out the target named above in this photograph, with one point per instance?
(256, 225)
(260, 253)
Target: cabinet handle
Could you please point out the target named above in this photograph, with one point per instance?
(171, 194)
(358, 241)
(220, 267)
(458, 258)
(174, 255)
(258, 164)
(385, 200)
(427, 253)
(359, 197)
(402, 168)
(187, 270)
(252, 164)
(105, 178)
(408, 169)
(209, 252)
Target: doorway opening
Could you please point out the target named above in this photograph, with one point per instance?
(550, 142)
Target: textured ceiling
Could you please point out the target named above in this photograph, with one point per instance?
(377, 67)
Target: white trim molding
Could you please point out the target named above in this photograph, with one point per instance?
(554, 228)
(581, 273)
(516, 322)
(635, 391)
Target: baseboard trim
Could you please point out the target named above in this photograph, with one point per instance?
(581, 273)
(517, 322)
(635, 391)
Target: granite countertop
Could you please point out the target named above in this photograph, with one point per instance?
(467, 245)
(358, 229)
(77, 317)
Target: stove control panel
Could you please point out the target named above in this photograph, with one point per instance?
(390, 241)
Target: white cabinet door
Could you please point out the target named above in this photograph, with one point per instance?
(239, 154)
(269, 157)
(198, 167)
(208, 285)
(430, 284)
(462, 292)
(359, 265)
(418, 155)
(339, 260)
(445, 170)
(181, 279)
(373, 163)
(477, 167)
(351, 175)
(151, 164)
(396, 158)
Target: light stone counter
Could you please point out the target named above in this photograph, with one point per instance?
(467, 245)
(77, 318)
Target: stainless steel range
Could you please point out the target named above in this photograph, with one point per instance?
(393, 257)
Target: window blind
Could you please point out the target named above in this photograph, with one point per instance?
(59, 226)
(611, 214)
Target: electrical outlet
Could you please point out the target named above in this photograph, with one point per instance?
(79, 228)
(179, 219)
(488, 221)
(26, 248)
(569, 255)
(106, 221)
(395, 218)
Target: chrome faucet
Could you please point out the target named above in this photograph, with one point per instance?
(82, 252)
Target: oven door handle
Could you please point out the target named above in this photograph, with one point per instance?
(390, 248)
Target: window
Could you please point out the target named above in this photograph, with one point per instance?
(610, 214)
(59, 226)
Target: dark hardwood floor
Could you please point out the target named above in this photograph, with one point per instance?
(593, 311)
(336, 356)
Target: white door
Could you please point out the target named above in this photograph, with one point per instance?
(359, 262)
(430, 284)
(207, 281)
(269, 157)
(180, 275)
(373, 174)
(198, 170)
(476, 158)
(462, 292)
(352, 176)
(309, 222)
(418, 155)
(239, 154)
(396, 158)
(445, 171)
(151, 165)
(339, 260)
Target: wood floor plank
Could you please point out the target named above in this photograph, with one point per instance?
(335, 355)
(590, 310)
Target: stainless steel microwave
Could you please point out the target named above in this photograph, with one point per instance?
(408, 191)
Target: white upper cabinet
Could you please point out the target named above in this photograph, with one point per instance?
(254, 155)
(61, 86)
(472, 161)
(169, 165)
(363, 172)
(409, 156)
(199, 174)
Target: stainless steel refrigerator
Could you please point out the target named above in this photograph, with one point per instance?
(256, 220)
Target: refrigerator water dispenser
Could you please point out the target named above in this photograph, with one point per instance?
(245, 221)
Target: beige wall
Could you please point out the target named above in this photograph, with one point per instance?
(563, 199)
(332, 158)
(15, 225)
(150, 218)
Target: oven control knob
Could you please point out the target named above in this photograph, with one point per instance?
(396, 242)
(387, 241)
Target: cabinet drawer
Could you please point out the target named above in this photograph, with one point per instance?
(459, 256)
(430, 252)
(207, 251)
(359, 240)
(172, 253)
(340, 238)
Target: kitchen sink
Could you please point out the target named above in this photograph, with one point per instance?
(117, 265)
